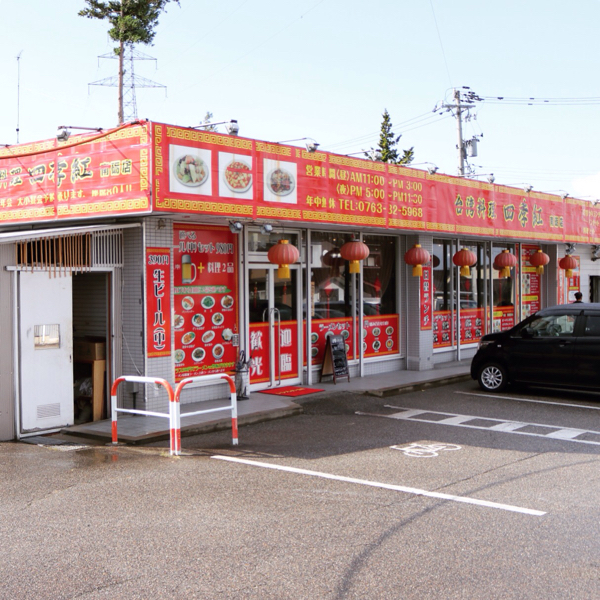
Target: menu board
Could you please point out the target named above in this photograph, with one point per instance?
(206, 300)
(335, 362)
(531, 300)
(380, 335)
(442, 329)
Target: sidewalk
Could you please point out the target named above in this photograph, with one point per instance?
(260, 407)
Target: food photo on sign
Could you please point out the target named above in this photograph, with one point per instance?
(235, 176)
(280, 181)
(189, 170)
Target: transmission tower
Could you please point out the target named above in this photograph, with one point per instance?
(131, 81)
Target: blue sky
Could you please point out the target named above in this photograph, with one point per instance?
(326, 69)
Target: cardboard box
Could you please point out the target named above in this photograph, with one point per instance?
(89, 348)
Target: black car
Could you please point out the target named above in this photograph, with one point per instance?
(556, 347)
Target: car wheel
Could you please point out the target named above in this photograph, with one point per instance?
(493, 378)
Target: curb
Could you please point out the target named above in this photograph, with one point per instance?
(417, 387)
(195, 429)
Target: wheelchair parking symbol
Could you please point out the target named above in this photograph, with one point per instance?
(425, 450)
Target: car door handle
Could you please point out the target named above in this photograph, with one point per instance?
(565, 343)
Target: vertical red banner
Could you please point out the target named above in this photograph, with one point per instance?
(260, 352)
(158, 302)
(426, 293)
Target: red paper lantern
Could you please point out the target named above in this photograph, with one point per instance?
(504, 261)
(283, 254)
(569, 264)
(354, 252)
(417, 257)
(538, 260)
(464, 259)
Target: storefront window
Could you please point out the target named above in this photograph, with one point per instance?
(379, 276)
(380, 335)
(470, 302)
(333, 299)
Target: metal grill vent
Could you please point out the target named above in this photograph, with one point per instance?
(107, 248)
(46, 411)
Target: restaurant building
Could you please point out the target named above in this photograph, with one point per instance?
(164, 251)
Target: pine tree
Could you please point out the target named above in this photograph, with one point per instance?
(387, 144)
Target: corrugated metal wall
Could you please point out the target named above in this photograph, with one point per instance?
(131, 293)
(7, 389)
(90, 304)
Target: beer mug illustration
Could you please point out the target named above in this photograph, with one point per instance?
(188, 269)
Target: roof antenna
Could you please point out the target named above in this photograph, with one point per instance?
(18, 90)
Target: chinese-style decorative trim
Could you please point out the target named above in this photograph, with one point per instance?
(354, 252)
(538, 260)
(417, 257)
(569, 264)
(283, 254)
(464, 259)
(504, 262)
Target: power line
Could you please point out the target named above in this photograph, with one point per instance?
(417, 122)
(440, 40)
(589, 101)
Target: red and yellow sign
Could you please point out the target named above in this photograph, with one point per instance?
(204, 172)
(472, 327)
(321, 329)
(380, 335)
(200, 172)
(206, 300)
(94, 175)
(158, 307)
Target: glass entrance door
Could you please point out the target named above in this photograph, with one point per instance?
(275, 327)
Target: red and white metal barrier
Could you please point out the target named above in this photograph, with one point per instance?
(232, 407)
(138, 379)
(174, 415)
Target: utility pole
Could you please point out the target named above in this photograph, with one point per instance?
(461, 149)
(460, 109)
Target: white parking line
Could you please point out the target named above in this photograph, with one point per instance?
(385, 486)
(529, 400)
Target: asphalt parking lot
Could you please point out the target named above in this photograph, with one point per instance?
(444, 493)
